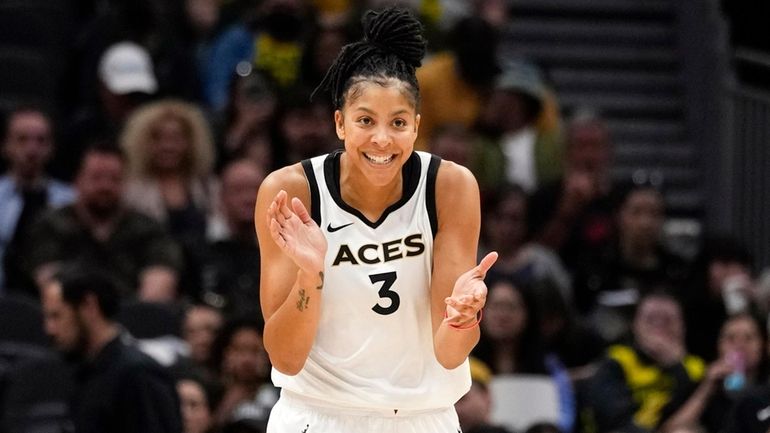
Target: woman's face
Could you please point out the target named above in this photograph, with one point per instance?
(641, 217)
(169, 144)
(379, 126)
(741, 335)
(505, 313)
(195, 406)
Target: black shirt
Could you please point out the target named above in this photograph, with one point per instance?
(125, 391)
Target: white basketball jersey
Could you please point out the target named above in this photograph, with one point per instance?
(374, 346)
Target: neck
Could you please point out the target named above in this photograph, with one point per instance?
(371, 200)
(100, 335)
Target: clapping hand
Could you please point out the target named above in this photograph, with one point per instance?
(295, 232)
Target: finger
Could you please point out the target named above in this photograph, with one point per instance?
(486, 263)
(275, 233)
(301, 211)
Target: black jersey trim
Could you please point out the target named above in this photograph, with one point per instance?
(410, 174)
(315, 196)
(430, 193)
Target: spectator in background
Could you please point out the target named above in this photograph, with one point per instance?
(511, 343)
(455, 84)
(505, 230)
(610, 280)
(273, 42)
(752, 412)
(247, 127)
(198, 399)
(474, 409)
(25, 191)
(304, 130)
(573, 214)
(98, 230)
(200, 329)
(119, 389)
(170, 155)
(125, 79)
(722, 284)
(453, 142)
(639, 386)
(742, 364)
(230, 272)
(521, 152)
(244, 370)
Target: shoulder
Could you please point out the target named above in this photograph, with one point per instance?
(455, 182)
(291, 178)
(7, 185)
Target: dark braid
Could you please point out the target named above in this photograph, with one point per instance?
(392, 48)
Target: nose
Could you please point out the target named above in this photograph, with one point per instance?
(381, 137)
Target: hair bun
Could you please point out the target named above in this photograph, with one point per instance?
(396, 31)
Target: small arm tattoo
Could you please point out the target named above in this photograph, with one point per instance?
(303, 301)
(321, 284)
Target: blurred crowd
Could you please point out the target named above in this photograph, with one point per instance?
(146, 169)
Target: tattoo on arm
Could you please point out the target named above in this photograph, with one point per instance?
(303, 301)
(321, 284)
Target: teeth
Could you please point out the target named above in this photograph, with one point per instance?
(379, 159)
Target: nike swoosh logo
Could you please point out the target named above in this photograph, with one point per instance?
(331, 229)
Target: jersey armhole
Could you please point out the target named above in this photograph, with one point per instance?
(315, 197)
(430, 193)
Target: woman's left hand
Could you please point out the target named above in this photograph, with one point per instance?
(469, 294)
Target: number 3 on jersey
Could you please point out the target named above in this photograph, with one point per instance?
(387, 279)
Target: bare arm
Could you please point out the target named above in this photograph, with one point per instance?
(457, 285)
(292, 250)
(693, 408)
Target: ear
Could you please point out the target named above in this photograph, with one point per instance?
(339, 124)
(417, 123)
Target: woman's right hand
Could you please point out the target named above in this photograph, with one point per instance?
(295, 232)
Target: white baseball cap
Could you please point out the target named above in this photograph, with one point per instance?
(126, 67)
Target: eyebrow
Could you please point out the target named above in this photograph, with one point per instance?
(370, 111)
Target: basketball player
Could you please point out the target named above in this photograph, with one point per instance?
(369, 289)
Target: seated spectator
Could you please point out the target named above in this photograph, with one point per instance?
(639, 386)
(118, 388)
(125, 80)
(198, 399)
(25, 190)
(474, 408)
(611, 280)
(722, 284)
(304, 130)
(454, 84)
(200, 328)
(244, 369)
(742, 364)
(98, 230)
(170, 156)
(505, 230)
(752, 412)
(511, 343)
(453, 142)
(247, 126)
(272, 42)
(230, 271)
(519, 151)
(573, 214)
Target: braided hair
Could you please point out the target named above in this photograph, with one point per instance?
(392, 48)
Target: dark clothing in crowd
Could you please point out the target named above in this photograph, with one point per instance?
(137, 242)
(591, 229)
(752, 412)
(125, 391)
(230, 277)
(631, 393)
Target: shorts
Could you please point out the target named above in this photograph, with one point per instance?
(297, 414)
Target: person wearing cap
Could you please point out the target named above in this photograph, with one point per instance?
(126, 79)
(526, 146)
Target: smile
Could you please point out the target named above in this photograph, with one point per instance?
(380, 160)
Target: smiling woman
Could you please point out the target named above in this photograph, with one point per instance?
(376, 314)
